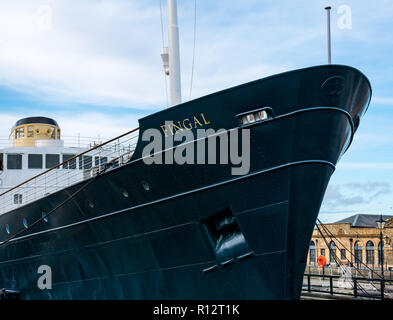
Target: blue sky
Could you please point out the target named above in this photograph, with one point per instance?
(95, 66)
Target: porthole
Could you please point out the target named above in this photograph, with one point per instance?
(25, 223)
(44, 216)
(124, 192)
(91, 204)
(7, 228)
(145, 185)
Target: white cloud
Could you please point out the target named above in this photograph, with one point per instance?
(108, 52)
(382, 100)
(365, 165)
(354, 195)
(83, 57)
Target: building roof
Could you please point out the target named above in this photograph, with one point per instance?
(364, 220)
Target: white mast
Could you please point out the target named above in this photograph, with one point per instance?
(328, 36)
(174, 54)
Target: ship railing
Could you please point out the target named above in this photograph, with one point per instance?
(110, 154)
(81, 142)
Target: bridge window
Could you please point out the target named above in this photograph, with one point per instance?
(87, 162)
(35, 161)
(20, 132)
(51, 160)
(14, 161)
(70, 164)
(17, 198)
(100, 161)
(370, 252)
(53, 132)
(30, 131)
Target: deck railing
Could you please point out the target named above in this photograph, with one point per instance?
(112, 153)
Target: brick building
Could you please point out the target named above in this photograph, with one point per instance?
(358, 235)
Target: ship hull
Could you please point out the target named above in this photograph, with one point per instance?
(164, 243)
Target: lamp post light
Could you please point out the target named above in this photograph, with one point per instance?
(380, 225)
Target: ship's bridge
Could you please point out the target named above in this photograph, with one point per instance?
(35, 132)
(37, 163)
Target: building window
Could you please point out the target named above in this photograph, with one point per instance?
(51, 160)
(369, 252)
(323, 252)
(1, 162)
(70, 164)
(358, 252)
(343, 254)
(312, 252)
(14, 161)
(17, 198)
(332, 252)
(35, 161)
(379, 253)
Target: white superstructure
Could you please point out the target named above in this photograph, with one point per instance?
(36, 147)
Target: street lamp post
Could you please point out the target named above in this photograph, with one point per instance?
(380, 225)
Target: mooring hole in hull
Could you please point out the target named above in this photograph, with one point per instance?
(225, 235)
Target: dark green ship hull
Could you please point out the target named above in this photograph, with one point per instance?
(199, 232)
